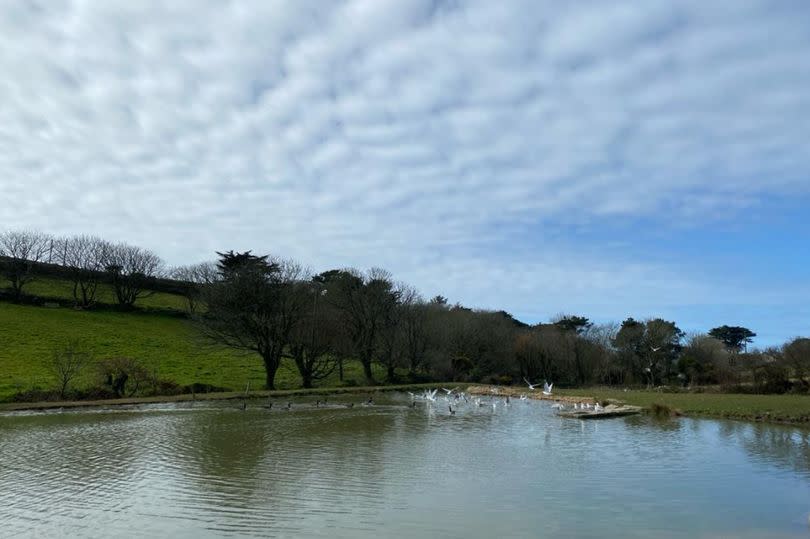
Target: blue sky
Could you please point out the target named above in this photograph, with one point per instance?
(637, 158)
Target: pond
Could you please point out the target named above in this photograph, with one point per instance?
(387, 469)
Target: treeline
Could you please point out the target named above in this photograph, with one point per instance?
(84, 261)
(279, 310)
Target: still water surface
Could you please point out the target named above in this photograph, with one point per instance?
(212, 470)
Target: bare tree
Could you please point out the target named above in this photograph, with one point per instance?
(131, 268)
(797, 357)
(391, 352)
(23, 249)
(532, 356)
(414, 320)
(195, 277)
(365, 302)
(84, 257)
(67, 363)
(313, 341)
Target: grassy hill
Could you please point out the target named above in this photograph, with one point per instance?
(58, 288)
(159, 336)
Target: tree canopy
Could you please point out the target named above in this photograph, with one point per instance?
(735, 338)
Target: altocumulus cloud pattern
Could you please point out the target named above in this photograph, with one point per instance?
(533, 156)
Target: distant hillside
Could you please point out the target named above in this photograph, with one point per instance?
(158, 334)
(44, 270)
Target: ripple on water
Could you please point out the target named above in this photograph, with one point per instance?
(332, 471)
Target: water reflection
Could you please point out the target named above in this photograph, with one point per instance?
(213, 470)
(771, 445)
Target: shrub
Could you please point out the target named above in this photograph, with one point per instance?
(35, 394)
(773, 378)
(124, 376)
(197, 387)
(662, 410)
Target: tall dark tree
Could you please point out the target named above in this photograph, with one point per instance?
(735, 338)
(577, 324)
(232, 262)
(255, 306)
(649, 349)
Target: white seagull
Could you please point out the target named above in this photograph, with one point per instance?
(531, 385)
(547, 388)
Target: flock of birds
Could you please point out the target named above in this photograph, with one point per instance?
(452, 398)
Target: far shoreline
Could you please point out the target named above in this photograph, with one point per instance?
(694, 405)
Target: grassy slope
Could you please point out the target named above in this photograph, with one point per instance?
(787, 408)
(170, 344)
(56, 288)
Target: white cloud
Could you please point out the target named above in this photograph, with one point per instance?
(423, 135)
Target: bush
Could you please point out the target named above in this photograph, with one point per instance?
(124, 376)
(159, 387)
(662, 410)
(93, 394)
(773, 378)
(35, 394)
(197, 387)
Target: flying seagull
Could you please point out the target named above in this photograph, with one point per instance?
(531, 385)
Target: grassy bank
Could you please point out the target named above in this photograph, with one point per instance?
(105, 295)
(165, 343)
(776, 408)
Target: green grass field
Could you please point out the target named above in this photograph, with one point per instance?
(165, 342)
(57, 288)
(784, 408)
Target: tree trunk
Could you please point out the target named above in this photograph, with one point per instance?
(306, 378)
(391, 374)
(367, 371)
(16, 288)
(271, 364)
(300, 362)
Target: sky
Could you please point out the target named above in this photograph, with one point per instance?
(608, 159)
